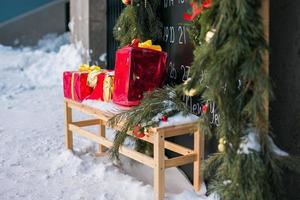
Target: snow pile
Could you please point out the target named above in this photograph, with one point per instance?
(250, 143)
(106, 106)
(110, 107)
(34, 163)
(28, 68)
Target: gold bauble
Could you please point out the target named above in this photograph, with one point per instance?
(221, 147)
(222, 140)
(190, 93)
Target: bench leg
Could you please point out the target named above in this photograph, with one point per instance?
(198, 146)
(68, 132)
(101, 134)
(159, 166)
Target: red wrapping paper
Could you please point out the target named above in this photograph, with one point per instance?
(98, 92)
(137, 70)
(76, 88)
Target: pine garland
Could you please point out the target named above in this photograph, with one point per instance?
(236, 80)
(139, 20)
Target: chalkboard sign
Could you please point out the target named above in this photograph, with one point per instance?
(177, 44)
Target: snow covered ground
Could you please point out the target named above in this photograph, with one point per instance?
(34, 164)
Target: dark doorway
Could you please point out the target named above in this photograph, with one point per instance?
(114, 9)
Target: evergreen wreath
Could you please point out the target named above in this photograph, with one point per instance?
(228, 69)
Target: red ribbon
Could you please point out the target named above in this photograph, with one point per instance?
(197, 9)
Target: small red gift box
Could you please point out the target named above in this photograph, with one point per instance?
(104, 87)
(75, 85)
(137, 70)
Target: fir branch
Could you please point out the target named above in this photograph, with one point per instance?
(163, 101)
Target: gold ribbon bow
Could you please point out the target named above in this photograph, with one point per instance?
(92, 78)
(148, 45)
(87, 68)
(108, 86)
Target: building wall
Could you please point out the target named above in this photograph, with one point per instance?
(28, 28)
(88, 19)
(285, 74)
(13, 8)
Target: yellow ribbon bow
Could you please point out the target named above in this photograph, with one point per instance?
(108, 86)
(148, 45)
(87, 68)
(93, 78)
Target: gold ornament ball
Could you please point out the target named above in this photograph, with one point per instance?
(221, 148)
(222, 141)
(190, 93)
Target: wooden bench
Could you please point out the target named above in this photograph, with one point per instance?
(156, 136)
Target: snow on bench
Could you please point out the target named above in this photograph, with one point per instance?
(110, 107)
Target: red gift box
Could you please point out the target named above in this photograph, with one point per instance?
(75, 85)
(104, 87)
(137, 70)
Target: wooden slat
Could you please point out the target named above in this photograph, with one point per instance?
(123, 150)
(198, 148)
(178, 148)
(172, 131)
(87, 122)
(68, 132)
(159, 166)
(185, 125)
(104, 116)
(180, 160)
(90, 135)
(168, 145)
(102, 133)
(146, 160)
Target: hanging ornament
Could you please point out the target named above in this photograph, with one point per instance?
(190, 93)
(207, 3)
(138, 131)
(126, 2)
(196, 9)
(209, 35)
(204, 108)
(221, 146)
(145, 3)
(164, 118)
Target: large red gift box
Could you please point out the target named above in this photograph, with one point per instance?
(137, 70)
(75, 85)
